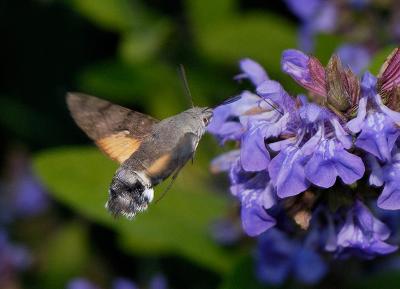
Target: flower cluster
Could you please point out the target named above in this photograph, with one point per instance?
(157, 282)
(314, 162)
(279, 257)
(12, 259)
(21, 197)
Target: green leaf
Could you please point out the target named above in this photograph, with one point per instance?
(111, 15)
(326, 45)
(152, 85)
(143, 33)
(249, 37)
(379, 58)
(141, 45)
(208, 12)
(242, 276)
(261, 36)
(383, 280)
(18, 118)
(179, 224)
(65, 255)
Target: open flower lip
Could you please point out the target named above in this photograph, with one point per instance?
(335, 142)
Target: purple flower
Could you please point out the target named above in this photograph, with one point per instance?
(252, 70)
(306, 70)
(225, 231)
(280, 102)
(29, 196)
(355, 56)
(253, 152)
(314, 157)
(274, 257)
(325, 18)
(287, 172)
(359, 4)
(389, 175)
(81, 283)
(23, 196)
(322, 229)
(376, 174)
(225, 123)
(225, 162)
(363, 232)
(12, 257)
(123, 283)
(310, 268)
(378, 135)
(331, 160)
(377, 124)
(391, 218)
(316, 16)
(279, 257)
(305, 38)
(304, 9)
(158, 282)
(256, 196)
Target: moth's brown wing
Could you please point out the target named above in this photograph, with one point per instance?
(117, 131)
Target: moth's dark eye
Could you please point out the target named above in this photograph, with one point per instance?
(206, 120)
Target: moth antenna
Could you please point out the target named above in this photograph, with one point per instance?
(182, 74)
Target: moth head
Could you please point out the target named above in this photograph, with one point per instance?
(206, 115)
(198, 116)
(129, 194)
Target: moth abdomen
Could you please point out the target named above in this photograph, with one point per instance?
(130, 192)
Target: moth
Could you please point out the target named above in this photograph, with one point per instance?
(148, 150)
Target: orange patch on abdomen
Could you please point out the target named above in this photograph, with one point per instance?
(159, 165)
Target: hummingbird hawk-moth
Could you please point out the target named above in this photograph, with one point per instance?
(148, 150)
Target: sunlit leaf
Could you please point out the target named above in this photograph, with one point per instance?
(179, 224)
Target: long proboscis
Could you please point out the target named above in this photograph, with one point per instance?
(237, 97)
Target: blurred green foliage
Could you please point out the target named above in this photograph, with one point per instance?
(79, 177)
(242, 276)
